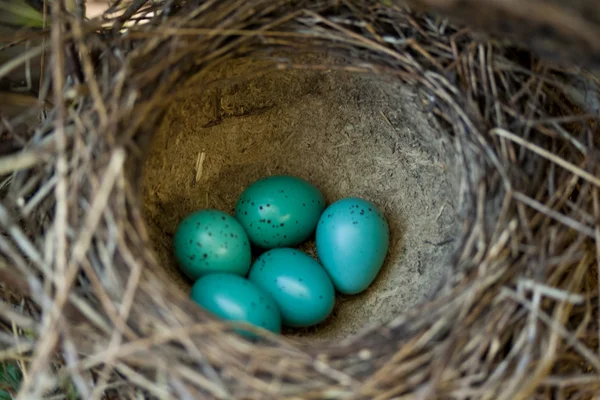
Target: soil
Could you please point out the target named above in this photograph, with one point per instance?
(349, 134)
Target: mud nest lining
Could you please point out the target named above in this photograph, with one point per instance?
(88, 308)
(351, 135)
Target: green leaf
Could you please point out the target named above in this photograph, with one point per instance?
(69, 389)
(4, 395)
(10, 376)
(15, 374)
(19, 13)
(29, 333)
(72, 392)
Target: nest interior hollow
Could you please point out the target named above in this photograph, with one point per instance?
(352, 135)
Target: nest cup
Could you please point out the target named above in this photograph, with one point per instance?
(352, 135)
(479, 154)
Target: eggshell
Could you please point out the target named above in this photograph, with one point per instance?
(279, 211)
(352, 241)
(234, 298)
(209, 241)
(298, 284)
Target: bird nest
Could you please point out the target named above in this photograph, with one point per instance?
(482, 157)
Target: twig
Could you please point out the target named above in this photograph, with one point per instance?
(547, 155)
(200, 166)
(20, 161)
(551, 292)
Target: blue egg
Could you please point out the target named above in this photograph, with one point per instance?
(279, 211)
(234, 298)
(352, 243)
(298, 284)
(208, 241)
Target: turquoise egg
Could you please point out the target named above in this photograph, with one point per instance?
(352, 242)
(279, 211)
(209, 241)
(298, 284)
(234, 298)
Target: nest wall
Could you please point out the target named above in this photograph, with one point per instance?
(86, 306)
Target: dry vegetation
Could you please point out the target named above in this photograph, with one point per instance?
(86, 309)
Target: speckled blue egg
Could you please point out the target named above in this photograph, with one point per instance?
(298, 284)
(234, 298)
(210, 241)
(279, 211)
(352, 242)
